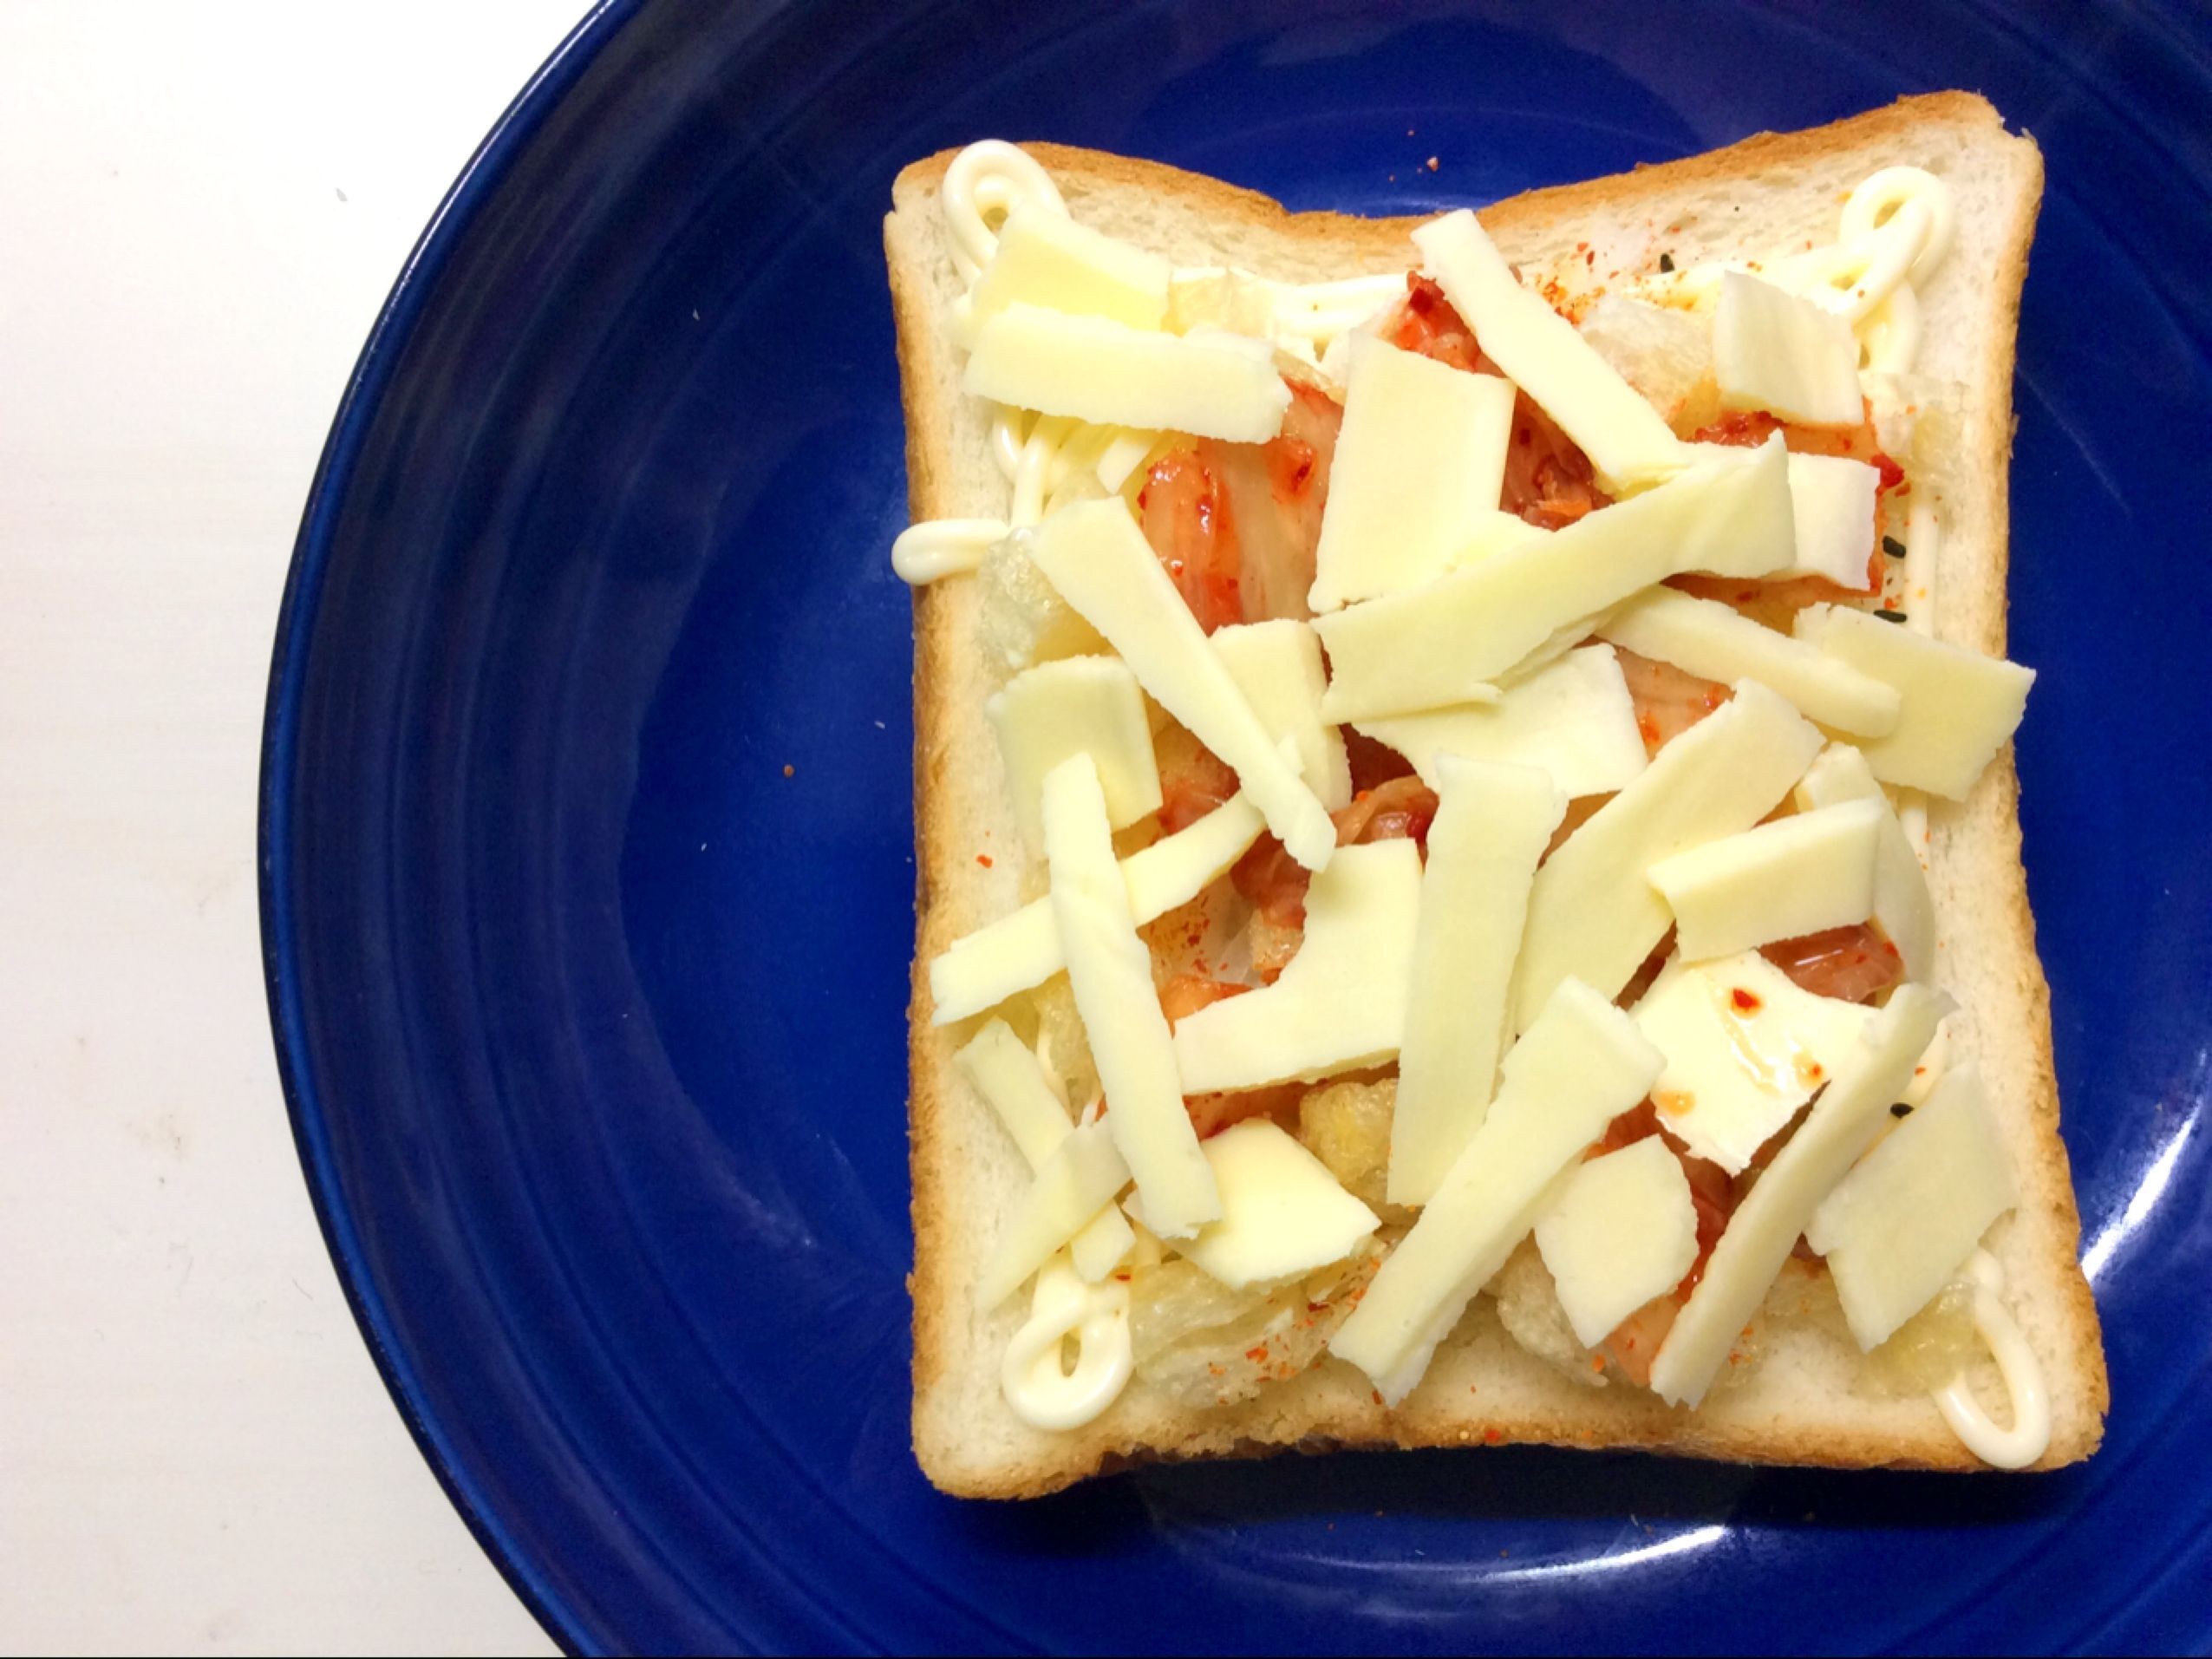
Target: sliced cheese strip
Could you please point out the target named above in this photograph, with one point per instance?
(1097, 558)
(1843, 1123)
(1107, 372)
(1494, 532)
(1746, 1047)
(1080, 1177)
(1580, 1066)
(1774, 351)
(1278, 665)
(1077, 704)
(1894, 1230)
(1593, 914)
(1340, 1004)
(1623, 1232)
(1418, 468)
(1006, 1072)
(1541, 353)
(982, 969)
(1832, 506)
(1110, 972)
(1797, 875)
(1572, 719)
(1047, 259)
(1436, 644)
(1833, 497)
(1121, 455)
(1716, 642)
(1958, 706)
(1282, 1212)
(1492, 824)
(1902, 903)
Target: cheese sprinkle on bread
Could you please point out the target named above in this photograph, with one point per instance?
(1469, 874)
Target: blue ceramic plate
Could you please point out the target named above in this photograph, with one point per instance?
(585, 839)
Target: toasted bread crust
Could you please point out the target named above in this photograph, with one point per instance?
(1482, 1388)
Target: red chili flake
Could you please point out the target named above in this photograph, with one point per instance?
(1257, 1354)
(1493, 1437)
(1745, 1002)
(788, 770)
(983, 858)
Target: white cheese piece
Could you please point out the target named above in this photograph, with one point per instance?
(1540, 352)
(1492, 824)
(1420, 466)
(1593, 915)
(1572, 719)
(1079, 1179)
(1902, 903)
(1282, 1212)
(1110, 972)
(1746, 1047)
(1278, 665)
(1774, 351)
(1340, 1004)
(1623, 1232)
(1833, 497)
(1958, 706)
(1495, 531)
(1896, 1229)
(1097, 558)
(982, 969)
(1843, 1123)
(1579, 1067)
(1076, 705)
(1047, 259)
(1433, 645)
(1797, 875)
(1007, 1074)
(1716, 642)
(1105, 372)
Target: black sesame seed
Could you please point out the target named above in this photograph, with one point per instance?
(1901, 1110)
(1892, 546)
(1667, 262)
(1891, 616)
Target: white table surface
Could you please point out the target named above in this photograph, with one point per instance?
(202, 207)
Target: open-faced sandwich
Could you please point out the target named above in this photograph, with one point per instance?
(1469, 875)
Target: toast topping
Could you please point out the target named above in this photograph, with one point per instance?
(1542, 656)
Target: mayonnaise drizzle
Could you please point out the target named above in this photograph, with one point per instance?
(939, 547)
(2029, 1437)
(986, 181)
(1897, 228)
(1043, 1390)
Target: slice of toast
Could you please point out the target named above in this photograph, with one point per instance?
(1805, 1401)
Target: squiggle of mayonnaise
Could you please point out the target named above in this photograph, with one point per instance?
(1898, 227)
(2030, 1435)
(1043, 1390)
(986, 181)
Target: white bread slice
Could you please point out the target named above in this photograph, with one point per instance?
(1799, 1405)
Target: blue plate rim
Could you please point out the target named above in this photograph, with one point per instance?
(387, 336)
(395, 326)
